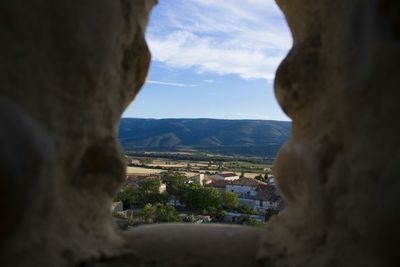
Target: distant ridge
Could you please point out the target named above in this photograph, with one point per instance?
(260, 138)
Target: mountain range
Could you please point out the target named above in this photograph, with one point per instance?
(260, 138)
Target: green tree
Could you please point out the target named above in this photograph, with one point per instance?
(149, 213)
(149, 192)
(128, 196)
(166, 213)
(190, 195)
(230, 200)
(250, 221)
(195, 196)
(174, 182)
(151, 185)
(209, 198)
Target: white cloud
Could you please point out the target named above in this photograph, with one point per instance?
(171, 84)
(224, 37)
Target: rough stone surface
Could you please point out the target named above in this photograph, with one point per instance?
(339, 172)
(67, 71)
(181, 245)
(69, 68)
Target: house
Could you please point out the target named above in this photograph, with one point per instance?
(265, 200)
(225, 176)
(201, 179)
(244, 186)
(219, 185)
(246, 190)
(256, 195)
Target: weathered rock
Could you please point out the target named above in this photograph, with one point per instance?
(67, 71)
(69, 68)
(339, 172)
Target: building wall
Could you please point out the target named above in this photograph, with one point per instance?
(241, 190)
(230, 178)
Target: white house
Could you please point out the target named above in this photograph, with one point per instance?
(244, 187)
(225, 176)
(252, 193)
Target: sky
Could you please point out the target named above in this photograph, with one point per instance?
(213, 59)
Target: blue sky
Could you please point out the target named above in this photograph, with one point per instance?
(213, 59)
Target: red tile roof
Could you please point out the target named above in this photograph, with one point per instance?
(207, 178)
(244, 181)
(266, 187)
(218, 183)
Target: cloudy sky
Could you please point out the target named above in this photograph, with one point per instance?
(213, 59)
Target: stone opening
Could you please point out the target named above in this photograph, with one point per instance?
(65, 81)
(131, 214)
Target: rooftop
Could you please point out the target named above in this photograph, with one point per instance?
(244, 181)
(226, 174)
(218, 183)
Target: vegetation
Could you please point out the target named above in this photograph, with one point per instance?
(230, 200)
(128, 196)
(155, 207)
(206, 135)
(147, 192)
(174, 182)
(158, 214)
(249, 221)
(246, 210)
(195, 196)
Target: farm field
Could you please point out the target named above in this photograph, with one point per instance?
(148, 166)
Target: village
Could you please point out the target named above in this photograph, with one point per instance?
(216, 193)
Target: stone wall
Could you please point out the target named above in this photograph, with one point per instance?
(69, 68)
(340, 170)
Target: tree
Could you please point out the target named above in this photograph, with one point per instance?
(166, 213)
(163, 213)
(209, 198)
(149, 192)
(249, 221)
(174, 181)
(196, 196)
(128, 196)
(149, 213)
(189, 167)
(151, 185)
(230, 200)
(241, 174)
(190, 195)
